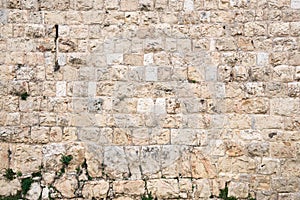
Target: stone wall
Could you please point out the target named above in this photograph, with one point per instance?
(120, 99)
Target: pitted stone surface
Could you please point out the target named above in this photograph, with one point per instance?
(174, 97)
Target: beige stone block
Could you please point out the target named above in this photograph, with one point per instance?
(239, 121)
(238, 189)
(112, 5)
(284, 106)
(69, 134)
(95, 189)
(129, 5)
(282, 150)
(26, 158)
(280, 184)
(201, 166)
(160, 136)
(294, 58)
(122, 136)
(202, 188)
(243, 164)
(255, 29)
(269, 166)
(134, 59)
(40, 134)
(279, 29)
(136, 187)
(55, 134)
(140, 136)
(66, 185)
(9, 188)
(161, 188)
(13, 119)
(4, 147)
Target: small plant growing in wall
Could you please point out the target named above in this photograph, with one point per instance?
(66, 159)
(26, 184)
(9, 174)
(148, 196)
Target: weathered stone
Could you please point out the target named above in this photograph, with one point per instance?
(66, 185)
(238, 189)
(129, 187)
(34, 192)
(26, 158)
(8, 188)
(160, 188)
(95, 189)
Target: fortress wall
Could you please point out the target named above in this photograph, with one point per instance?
(120, 99)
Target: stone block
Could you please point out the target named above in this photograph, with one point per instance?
(129, 5)
(135, 187)
(295, 4)
(238, 189)
(188, 5)
(202, 188)
(162, 189)
(114, 58)
(26, 158)
(133, 59)
(95, 189)
(151, 74)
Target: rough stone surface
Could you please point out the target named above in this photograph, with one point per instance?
(114, 99)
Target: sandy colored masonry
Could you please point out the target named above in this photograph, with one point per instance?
(117, 99)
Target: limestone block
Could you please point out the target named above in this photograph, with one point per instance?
(282, 150)
(188, 5)
(295, 4)
(122, 136)
(145, 105)
(4, 147)
(202, 188)
(295, 28)
(134, 59)
(26, 158)
(258, 149)
(66, 185)
(140, 136)
(115, 162)
(196, 74)
(94, 159)
(94, 134)
(243, 164)
(111, 5)
(160, 106)
(185, 137)
(238, 189)
(284, 106)
(290, 168)
(40, 134)
(8, 188)
(151, 74)
(171, 121)
(294, 58)
(129, 5)
(279, 29)
(255, 29)
(160, 136)
(269, 166)
(34, 192)
(163, 188)
(170, 156)
(150, 161)
(290, 184)
(3, 17)
(114, 58)
(12, 119)
(92, 17)
(136, 187)
(201, 166)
